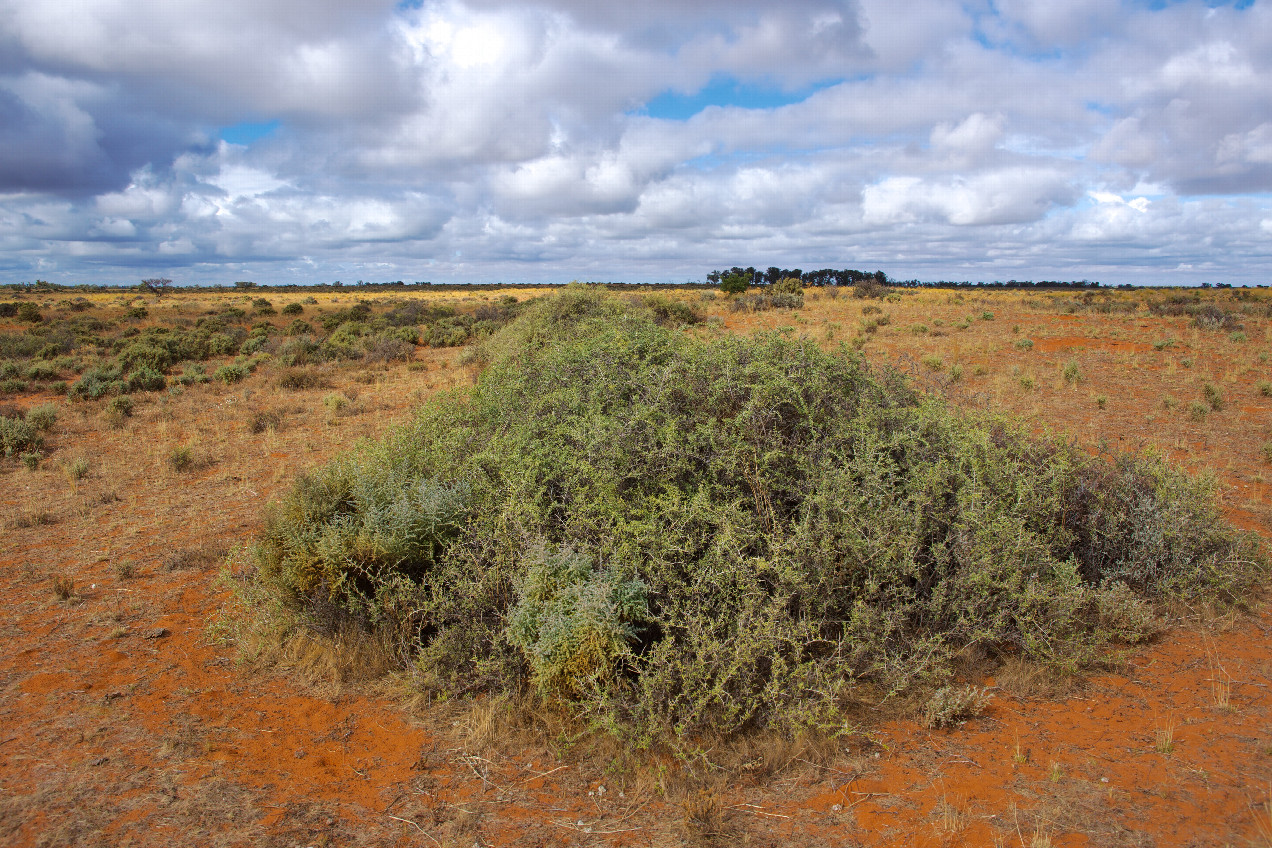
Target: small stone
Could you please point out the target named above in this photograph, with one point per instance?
(837, 807)
(155, 633)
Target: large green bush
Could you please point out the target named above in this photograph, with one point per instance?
(671, 534)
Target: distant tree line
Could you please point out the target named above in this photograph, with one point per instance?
(737, 278)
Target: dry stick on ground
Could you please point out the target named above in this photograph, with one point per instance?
(417, 827)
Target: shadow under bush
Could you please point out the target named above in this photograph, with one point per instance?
(673, 535)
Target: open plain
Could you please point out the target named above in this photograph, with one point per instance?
(142, 702)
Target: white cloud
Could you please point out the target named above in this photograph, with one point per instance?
(1010, 196)
(493, 138)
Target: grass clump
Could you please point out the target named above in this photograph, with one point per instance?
(671, 535)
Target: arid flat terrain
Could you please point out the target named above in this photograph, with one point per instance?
(137, 707)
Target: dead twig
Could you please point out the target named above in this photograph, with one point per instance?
(417, 827)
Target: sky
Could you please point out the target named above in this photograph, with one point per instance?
(282, 141)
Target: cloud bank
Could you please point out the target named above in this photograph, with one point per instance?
(517, 141)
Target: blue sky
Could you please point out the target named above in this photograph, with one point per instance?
(486, 140)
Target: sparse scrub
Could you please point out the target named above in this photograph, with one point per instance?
(1023, 344)
(672, 535)
(1198, 411)
(1071, 373)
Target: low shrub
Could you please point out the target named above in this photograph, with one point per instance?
(302, 378)
(264, 420)
(671, 312)
(146, 380)
(193, 374)
(230, 374)
(42, 417)
(1214, 397)
(98, 382)
(292, 309)
(18, 436)
(670, 534)
(951, 704)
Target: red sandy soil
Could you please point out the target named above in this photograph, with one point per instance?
(127, 717)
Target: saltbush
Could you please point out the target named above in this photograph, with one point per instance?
(672, 535)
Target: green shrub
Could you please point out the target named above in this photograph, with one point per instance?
(137, 312)
(1198, 411)
(42, 417)
(254, 344)
(98, 382)
(193, 374)
(1266, 450)
(1071, 373)
(1023, 344)
(12, 387)
(574, 623)
(120, 407)
(181, 458)
(41, 371)
(146, 380)
(672, 534)
(231, 373)
(29, 312)
(302, 350)
(222, 344)
(299, 327)
(18, 436)
(671, 312)
(292, 309)
(1265, 388)
(31, 459)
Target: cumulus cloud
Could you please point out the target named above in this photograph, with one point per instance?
(493, 139)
